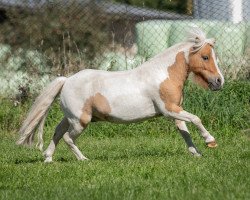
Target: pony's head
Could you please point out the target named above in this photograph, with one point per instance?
(202, 60)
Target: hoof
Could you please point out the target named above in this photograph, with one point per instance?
(212, 144)
(194, 152)
(196, 155)
(83, 158)
(48, 160)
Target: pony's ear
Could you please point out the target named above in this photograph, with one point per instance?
(195, 48)
(211, 41)
(198, 43)
(197, 40)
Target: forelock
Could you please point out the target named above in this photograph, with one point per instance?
(198, 37)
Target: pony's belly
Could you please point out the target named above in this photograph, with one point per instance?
(131, 110)
(123, 119)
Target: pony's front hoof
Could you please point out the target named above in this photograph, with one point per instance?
(48, 160)
(212, 144)
(194, 152)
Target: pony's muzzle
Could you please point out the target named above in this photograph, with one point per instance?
(215, 83)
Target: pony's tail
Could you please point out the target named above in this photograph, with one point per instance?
(38, 113)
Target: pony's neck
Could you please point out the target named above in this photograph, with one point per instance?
(179, 71)
(175, 55)
(173, 61)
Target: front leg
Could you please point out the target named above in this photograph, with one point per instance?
(188, 117)
(173, 109)
(170, 102)
(181, 125)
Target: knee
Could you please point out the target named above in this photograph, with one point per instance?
(68, 140)
(196, 120)
(177, 122)
(180, 123)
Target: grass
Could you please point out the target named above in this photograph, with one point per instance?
(146, 160)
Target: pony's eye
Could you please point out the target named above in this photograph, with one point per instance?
(205, 58)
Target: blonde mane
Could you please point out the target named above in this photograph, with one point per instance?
(198, 37)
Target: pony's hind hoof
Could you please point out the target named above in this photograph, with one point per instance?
(83, 158)
(212, 144)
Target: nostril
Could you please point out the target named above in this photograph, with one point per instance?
(218, 80)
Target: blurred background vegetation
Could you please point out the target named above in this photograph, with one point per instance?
(56, 38)
(179, 6)
(59, 31)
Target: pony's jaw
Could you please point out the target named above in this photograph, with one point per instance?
(199, 80)
(210, 80)
(213, 83)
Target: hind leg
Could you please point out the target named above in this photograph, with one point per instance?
(61, 128)
(70, 138)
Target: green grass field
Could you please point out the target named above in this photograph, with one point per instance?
(146, 160)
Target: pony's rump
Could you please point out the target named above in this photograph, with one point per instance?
(38, 112)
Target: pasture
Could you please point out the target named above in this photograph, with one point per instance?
(146, 160)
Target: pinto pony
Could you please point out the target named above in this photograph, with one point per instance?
(152, 89)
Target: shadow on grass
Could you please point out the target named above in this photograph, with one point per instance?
(23, 161)
(110, 156)
(145, 154)
(40, 160)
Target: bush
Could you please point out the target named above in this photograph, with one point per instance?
(20, 85)
(180, 6)
(59, 30)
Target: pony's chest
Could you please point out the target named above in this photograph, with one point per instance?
(171, 93)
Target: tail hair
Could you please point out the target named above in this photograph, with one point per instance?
(38, 112)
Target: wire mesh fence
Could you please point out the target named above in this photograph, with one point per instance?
(40, 39)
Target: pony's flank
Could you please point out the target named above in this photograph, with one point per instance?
(38, 112)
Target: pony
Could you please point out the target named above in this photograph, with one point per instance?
(154, 88)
